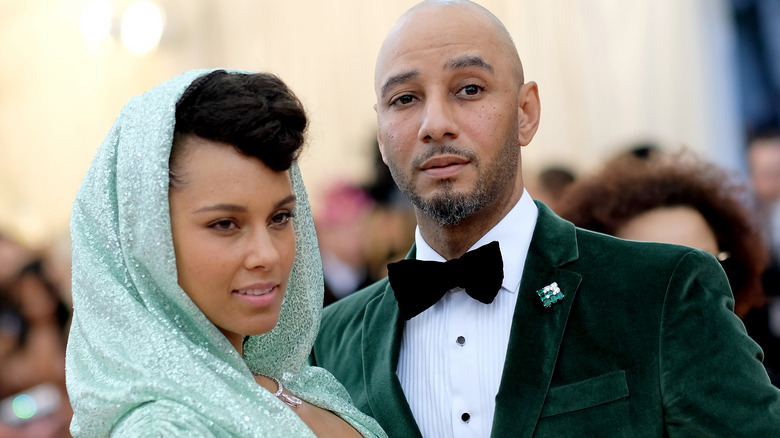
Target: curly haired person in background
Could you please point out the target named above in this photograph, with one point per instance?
(678, 198)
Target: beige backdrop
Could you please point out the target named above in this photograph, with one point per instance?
(610, 72)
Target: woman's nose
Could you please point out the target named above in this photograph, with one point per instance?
(261, 251)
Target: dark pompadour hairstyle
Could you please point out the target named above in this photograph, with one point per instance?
(254, 112)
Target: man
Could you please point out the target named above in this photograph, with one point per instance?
(586, 336)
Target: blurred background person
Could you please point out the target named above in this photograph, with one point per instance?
(13, 257)
(550, 185)
(764, 167)
(389, 237)
(392, 224)
(757, 62)
(342, 227)
(362, 228)
(680, 199)
(34, 323)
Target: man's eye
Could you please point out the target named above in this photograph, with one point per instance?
(471, 90)
(403, 100)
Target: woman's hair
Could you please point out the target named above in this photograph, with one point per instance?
(629, 186)
(254, 112)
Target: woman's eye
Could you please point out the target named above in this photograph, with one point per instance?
(223, 225)
(281, 218)
(471, 90)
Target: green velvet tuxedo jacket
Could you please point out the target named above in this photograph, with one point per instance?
(644, 344)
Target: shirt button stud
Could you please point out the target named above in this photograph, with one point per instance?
(465, 417)
(461, 340)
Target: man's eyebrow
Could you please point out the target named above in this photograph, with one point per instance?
(397, 79)
(453, 64)
(468, 61)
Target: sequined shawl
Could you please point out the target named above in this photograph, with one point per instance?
(142, 359)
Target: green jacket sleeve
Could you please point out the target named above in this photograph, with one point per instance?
(712, 379)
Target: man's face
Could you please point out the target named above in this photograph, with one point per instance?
(448, 113)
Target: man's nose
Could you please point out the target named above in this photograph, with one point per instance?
(439, 122)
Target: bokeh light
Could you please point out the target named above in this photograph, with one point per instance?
(24, 406)
(95, 21)
(142, 27)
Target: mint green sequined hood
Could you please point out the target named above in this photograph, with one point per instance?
(142, 359)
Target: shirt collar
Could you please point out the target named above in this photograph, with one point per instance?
(513, 234)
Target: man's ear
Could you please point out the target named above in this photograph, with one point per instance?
(529, 111)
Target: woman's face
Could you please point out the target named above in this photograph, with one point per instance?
(681, 225)
(232, 235)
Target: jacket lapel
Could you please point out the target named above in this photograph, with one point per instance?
(380, 361)
(537, 331)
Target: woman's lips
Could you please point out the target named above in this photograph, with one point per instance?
(257, 295)
(254, 291)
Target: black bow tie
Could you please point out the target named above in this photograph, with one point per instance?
(419, 284)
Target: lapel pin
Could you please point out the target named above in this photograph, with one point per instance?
(550, 294)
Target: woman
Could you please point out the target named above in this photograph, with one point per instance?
(675, 199)
(185, 323)
(680, 199)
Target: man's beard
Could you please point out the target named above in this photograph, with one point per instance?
(448, 207)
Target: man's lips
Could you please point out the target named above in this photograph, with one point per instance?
(443, 166)
(443, 161)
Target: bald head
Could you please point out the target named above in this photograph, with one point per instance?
(443, 18)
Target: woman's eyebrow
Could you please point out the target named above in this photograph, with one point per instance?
(221, 207)
(286, 200)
